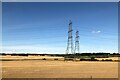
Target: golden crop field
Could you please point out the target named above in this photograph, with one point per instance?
(57, 68)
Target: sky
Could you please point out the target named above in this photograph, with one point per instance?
(42, 27)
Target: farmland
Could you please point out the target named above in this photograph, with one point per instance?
(36, 67)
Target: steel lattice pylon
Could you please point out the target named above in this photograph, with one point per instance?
(77, 42)
(70, 39)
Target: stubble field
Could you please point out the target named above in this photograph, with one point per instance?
(57, 68)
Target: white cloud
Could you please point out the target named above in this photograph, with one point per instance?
(96, 32)
(33, 49)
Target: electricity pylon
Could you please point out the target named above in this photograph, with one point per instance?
(70, 39)
(77, 42)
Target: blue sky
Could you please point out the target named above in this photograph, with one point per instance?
(42, 27)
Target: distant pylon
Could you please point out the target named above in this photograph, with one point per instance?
(77, 42)
(70, 39)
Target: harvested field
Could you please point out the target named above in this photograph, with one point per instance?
(113, 58)
(58, 69)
